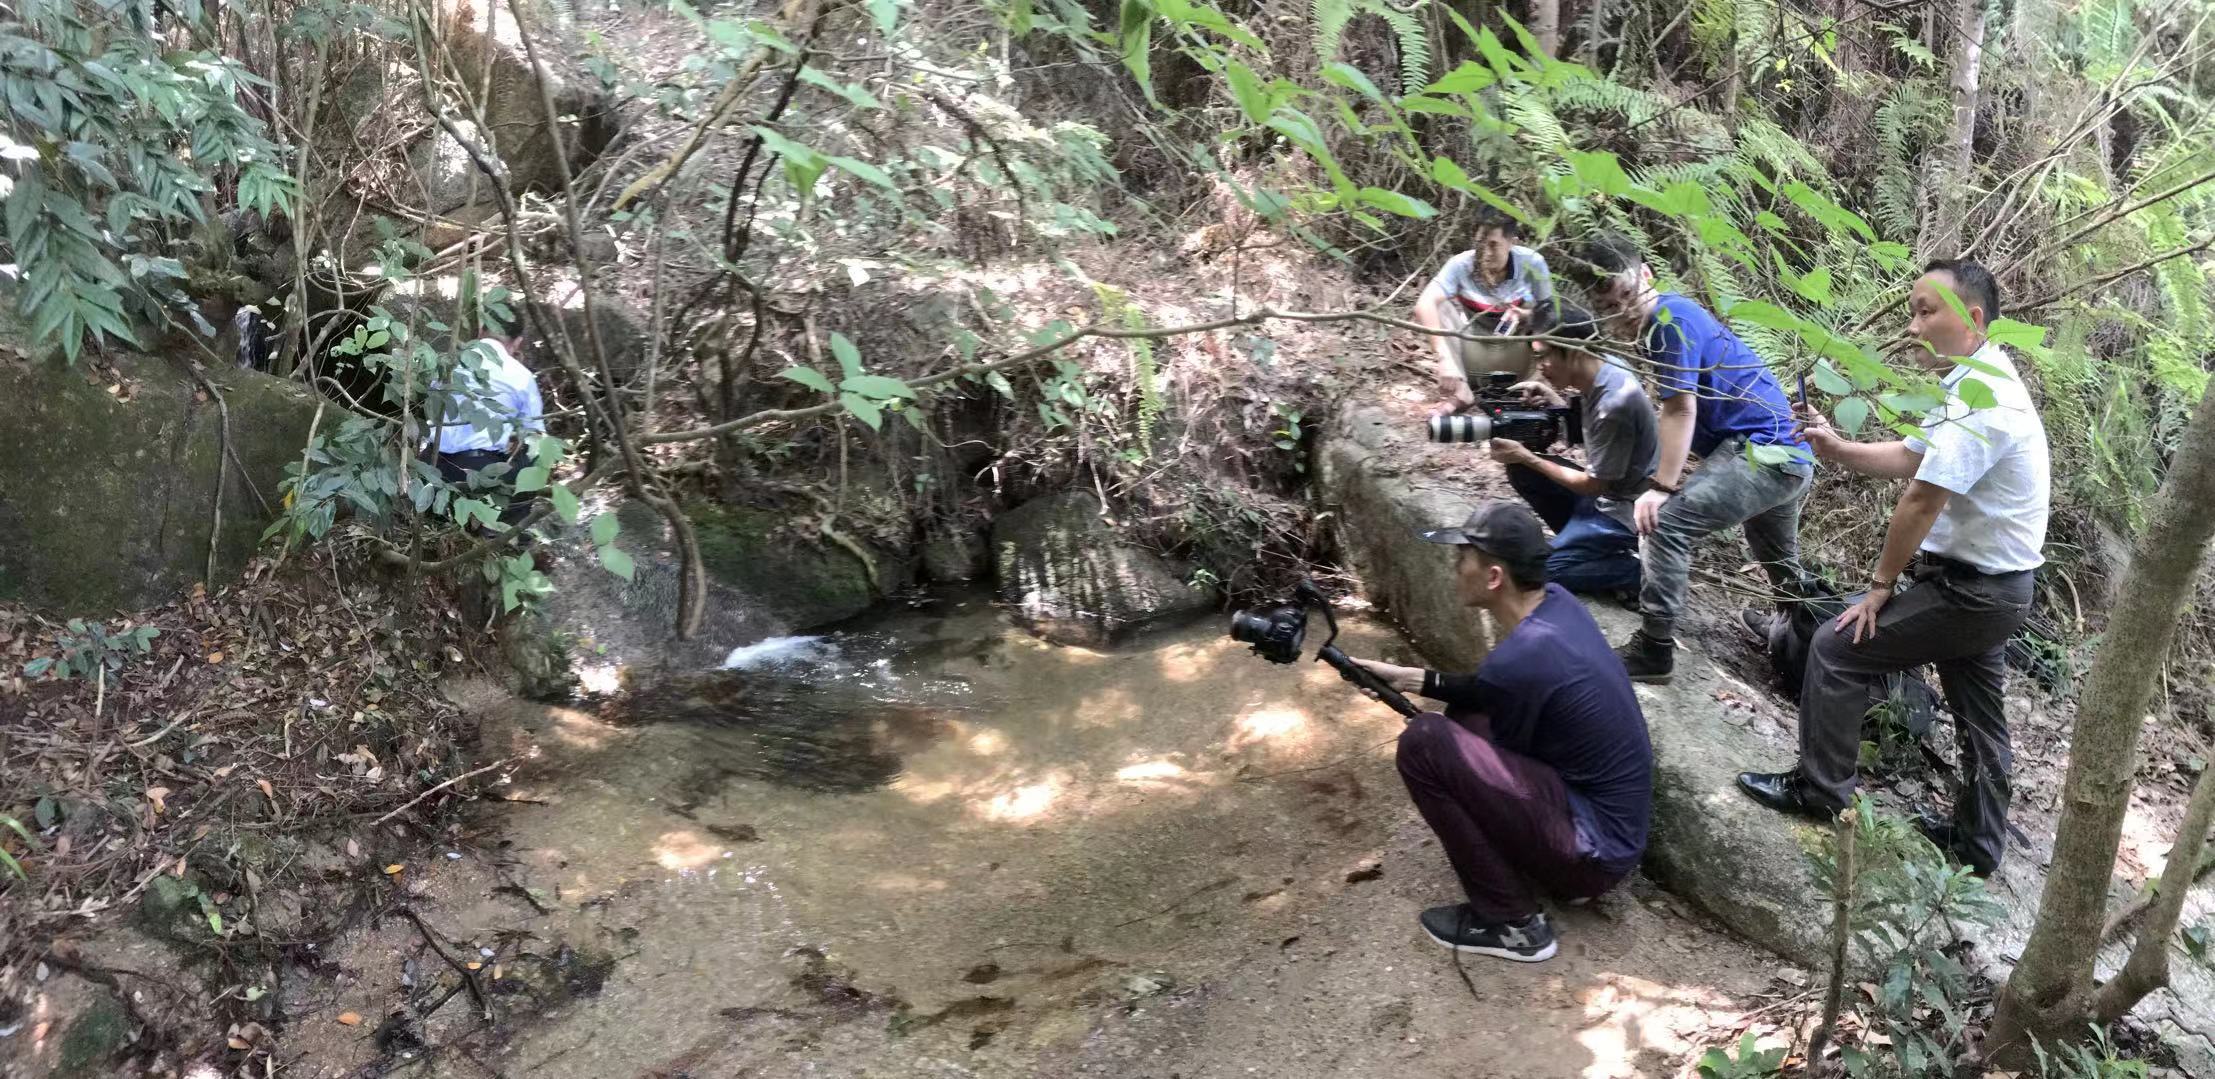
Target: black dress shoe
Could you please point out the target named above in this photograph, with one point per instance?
(1941, 834)
(1784, 792)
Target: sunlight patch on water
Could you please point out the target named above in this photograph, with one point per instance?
(1025, 803)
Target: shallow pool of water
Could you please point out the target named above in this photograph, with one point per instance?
(926, 840)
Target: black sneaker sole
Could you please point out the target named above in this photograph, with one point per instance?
(1509, 954)
(1653, 679)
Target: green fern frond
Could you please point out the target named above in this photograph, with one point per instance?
(1328, 18)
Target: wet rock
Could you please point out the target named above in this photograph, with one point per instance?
(955, 554)
(802, 581)
(107, 489)
(1071, 579)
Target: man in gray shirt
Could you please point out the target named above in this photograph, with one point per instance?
(1480, 297)
(1595, 545)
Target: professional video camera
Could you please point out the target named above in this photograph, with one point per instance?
(1501, 413)
(1275, 633)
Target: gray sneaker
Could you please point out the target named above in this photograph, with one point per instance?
(1530, 940)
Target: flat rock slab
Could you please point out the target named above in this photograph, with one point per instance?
(1381, 481)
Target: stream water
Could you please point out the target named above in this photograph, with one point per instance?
(924, 844)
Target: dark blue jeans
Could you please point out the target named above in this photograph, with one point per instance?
(1593, 552)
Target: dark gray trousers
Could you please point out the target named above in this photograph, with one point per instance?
(1957, 621)
(1727, 490)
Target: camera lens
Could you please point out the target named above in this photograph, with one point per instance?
(1460, 428)
(1248, 627)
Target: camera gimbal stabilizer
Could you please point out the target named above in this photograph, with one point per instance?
(1275, 632)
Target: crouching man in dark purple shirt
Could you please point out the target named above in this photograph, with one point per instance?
(1538, 778)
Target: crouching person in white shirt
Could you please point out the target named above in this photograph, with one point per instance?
(492, 408)
(1967, 534)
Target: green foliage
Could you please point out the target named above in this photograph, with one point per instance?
(1329, 19)
(1904, 906)
(8, 861)
(87, 647)
(2095, 1058)
(1746, 1061)
(131, 135)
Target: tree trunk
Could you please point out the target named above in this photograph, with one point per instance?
(1546, 25)
(2050, 991)
(2148, 966)
(1942, 233)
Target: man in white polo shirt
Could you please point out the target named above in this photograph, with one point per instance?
(1967, 533)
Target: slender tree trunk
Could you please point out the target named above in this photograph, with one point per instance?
(2050, 991)
(1546, 25)
(2148, 966)
(1942, 233)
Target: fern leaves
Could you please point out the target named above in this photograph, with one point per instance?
(1331, 17)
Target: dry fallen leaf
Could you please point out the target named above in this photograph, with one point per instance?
(215, 657)
(350, 1018)
(474, 965)
(240, 1043)
(353, 849)
(268, 792)
(394, 869)
(156, 795)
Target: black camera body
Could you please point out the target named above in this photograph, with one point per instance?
(1501, 413)
(1275, 633)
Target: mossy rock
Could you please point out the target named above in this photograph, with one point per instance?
(106, 498)
(802, 581)
(94, 1038)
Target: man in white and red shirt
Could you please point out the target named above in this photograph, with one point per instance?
(1480, 295)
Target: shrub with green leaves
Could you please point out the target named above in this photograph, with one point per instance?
(112, 143)
(86, 648)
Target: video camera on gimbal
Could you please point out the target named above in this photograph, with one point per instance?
(1276, 632)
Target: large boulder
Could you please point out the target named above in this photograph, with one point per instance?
(1381, 482)
(1071, 579)
(487, 46)
(108, 487)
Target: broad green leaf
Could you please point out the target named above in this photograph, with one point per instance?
(1833, 216)
(854, 95)
(868, 172)
(1137, 38)
(788, 149)
(1600, 170)
(1436, 106)
(1762, 313)
(618, 563)
(1814, 285)
(849, 357)
(2022, 335)
(1351, 78)
(1246, 88)
(531, 479)
(1975, 393)
(999, 383)
(604, 529)
(876, 386)
(1851, 413)
(864, 409)
(808, 376)
(565, 502)
(1394, 202)
(1300, 128)
(1467, 78)
(1828, 380)
(886, 13)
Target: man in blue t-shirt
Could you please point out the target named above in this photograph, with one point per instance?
(1720, 403)
(1542, 779)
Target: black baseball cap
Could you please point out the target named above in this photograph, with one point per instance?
(1507, 531)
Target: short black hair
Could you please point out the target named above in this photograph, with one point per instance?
(1972, 283)
(1529, 574)
(1492, 217)
(1604, 256)
(1559, 318)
